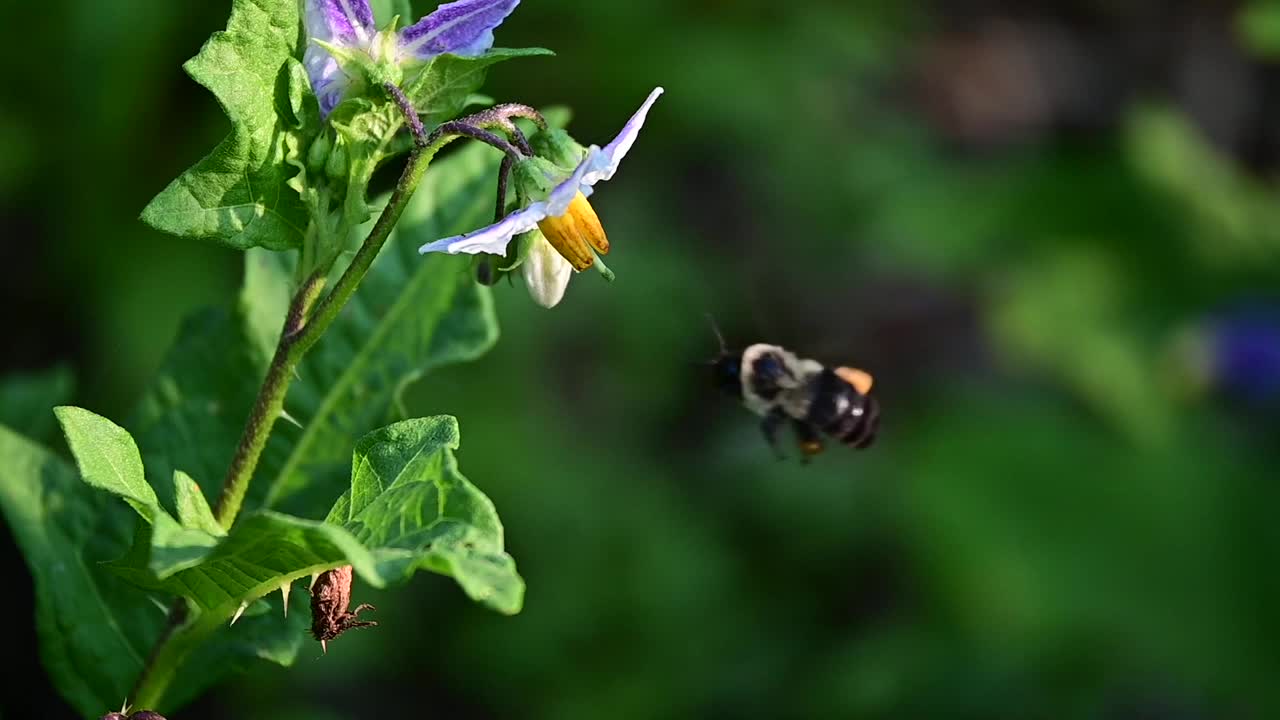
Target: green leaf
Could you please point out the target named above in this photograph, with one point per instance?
(409, 503)
(262, 551)
(193, 509)
(94, 631)
(27, 400)
(237, 194)
(191, 415)
(411, 315)
(108, 458)
(441, 89)
(408, 508)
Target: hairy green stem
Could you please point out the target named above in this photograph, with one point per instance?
(269, 404)
(309, 317)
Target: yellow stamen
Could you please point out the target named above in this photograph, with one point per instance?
(576, 233)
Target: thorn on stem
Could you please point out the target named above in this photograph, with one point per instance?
(243, 606)
(284, 592)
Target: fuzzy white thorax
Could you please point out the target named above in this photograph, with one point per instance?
(793, 399)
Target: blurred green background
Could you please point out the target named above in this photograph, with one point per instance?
(1051, 230)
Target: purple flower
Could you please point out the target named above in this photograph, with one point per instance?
(1246, 352)
(563, 215)
(340, 29)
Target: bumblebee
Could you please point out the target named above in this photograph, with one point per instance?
(816, 400)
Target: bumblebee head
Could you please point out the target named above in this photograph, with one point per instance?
(727, 372)
(726, 369)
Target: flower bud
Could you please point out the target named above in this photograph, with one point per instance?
(546, 272)
(338, 164)
(318, 153)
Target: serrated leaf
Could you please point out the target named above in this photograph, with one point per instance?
(108, 458)
(237, 194)
(193, 509)
(408, 508)
(27, 399)
(441, 89)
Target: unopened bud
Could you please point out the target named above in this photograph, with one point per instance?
(318, 153)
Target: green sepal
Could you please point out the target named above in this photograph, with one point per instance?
(559, 147)
(534, 178)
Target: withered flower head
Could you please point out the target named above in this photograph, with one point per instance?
(330, 598)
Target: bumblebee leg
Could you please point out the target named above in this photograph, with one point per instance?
(808, 439)
(771, 426)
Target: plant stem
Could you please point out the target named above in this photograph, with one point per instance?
(270, 403)
(308, 319)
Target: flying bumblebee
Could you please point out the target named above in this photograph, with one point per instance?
(781, 387)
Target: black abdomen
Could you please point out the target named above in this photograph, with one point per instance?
(842, 412)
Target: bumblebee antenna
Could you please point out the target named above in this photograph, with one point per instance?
(715, 328)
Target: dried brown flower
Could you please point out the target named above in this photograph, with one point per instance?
(330, 598)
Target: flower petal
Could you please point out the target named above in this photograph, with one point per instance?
(494, 238)
(564, 193)
(604, 163)
(339, 22)
(328, 81)
(546, 273)
(462, 28)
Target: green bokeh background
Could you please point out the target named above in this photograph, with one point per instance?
(1018, 216)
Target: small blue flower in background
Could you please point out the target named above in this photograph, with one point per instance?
(341, 29)
(1234, 350)
(556, 210)
(1246, 352)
